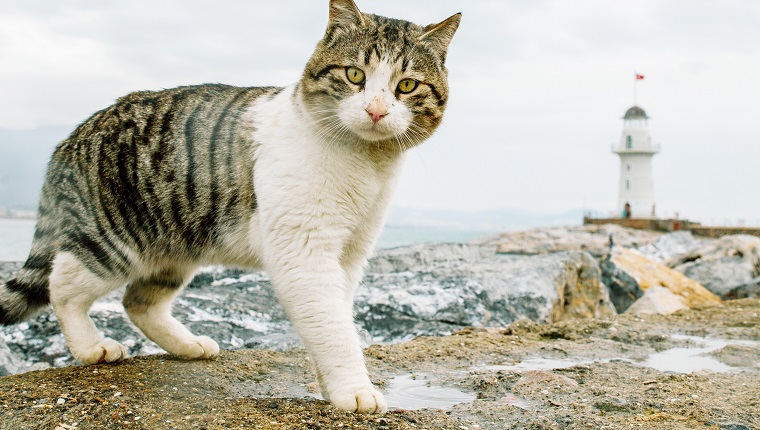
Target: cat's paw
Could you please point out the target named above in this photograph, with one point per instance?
(364, 401)
(202, 347)
(105, 351)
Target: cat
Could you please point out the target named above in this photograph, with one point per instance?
(294, 180)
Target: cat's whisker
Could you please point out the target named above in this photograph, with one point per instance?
(333, 132)
(399, 143)
(334, 129)
(325, 122)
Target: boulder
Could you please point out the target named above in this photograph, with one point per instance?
(442, 294)
(723, 264)
(234, 308)
(8, 269)
(416, 257)
(750, 290)
(629, 274)
(9, 362)
(658, 300)
(594, 239)
(671, 245)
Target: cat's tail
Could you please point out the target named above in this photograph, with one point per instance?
(27, 292)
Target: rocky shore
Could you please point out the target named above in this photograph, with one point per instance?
(549, 328)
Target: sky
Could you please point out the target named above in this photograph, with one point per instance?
(538, 88)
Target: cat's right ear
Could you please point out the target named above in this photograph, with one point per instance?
(344, 15)
(440, 35)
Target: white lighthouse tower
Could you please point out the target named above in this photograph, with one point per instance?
(636, 187)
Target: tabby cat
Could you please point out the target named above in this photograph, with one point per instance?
(293, 180)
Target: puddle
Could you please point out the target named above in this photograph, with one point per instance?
(678, 360)
(415, 391)
(692, 359)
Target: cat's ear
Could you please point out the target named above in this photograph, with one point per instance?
(440, 35)
(344, 15)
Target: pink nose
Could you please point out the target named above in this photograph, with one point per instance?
(377, 109)
(376, 114)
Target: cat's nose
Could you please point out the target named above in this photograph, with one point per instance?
(376, 116)
(377, 109)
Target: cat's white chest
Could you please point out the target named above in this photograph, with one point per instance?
(311, 188)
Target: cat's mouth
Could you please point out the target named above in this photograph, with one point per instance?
(375, 132)
(367, 125)
(384, 129)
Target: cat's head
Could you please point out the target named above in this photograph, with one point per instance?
(377, 79)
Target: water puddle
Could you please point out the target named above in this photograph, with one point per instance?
(416, 391)
(693, 359)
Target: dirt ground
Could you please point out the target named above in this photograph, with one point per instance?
(575, 374)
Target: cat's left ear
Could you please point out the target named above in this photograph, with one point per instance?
(440, 35)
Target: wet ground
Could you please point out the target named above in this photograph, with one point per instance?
(693, 369)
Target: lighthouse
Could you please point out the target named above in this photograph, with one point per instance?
(636, 186)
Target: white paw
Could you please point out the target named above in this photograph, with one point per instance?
(364, 401)
(201, 347)
(105, 351)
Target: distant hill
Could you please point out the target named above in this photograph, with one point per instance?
(24, 155)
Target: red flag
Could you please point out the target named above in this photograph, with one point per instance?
(639, 77)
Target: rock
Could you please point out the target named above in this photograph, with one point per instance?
(727, 425)
(670, 245)
(414, 257)
(442, 294)
(535, 380)
(739, 355)
(8, 269)
(9, 362)
(749, 290)
(623, 289)
(629, 274)
(236, 309)
(591, 238)
(657, 300)
(723, 264)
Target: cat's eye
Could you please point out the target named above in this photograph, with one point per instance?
(407, 86)
(355, 75)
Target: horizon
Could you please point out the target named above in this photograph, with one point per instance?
(444, 218)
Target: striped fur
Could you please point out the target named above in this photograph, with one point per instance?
(156, 175)
(294, 180)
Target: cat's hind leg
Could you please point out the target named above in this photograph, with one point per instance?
(73, 290)
(148, 303)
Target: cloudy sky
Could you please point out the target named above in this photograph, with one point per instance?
(537, 87)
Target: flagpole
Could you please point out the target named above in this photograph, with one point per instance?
(635, 82)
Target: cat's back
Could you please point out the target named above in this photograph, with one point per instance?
(157, 170)
(195, 113)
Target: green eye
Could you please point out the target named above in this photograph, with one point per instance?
(407, 86)
(355, 75)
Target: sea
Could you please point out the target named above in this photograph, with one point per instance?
(16, 237)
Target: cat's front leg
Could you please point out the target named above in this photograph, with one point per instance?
(312, 287)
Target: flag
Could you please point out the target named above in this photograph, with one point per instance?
(639, 77)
